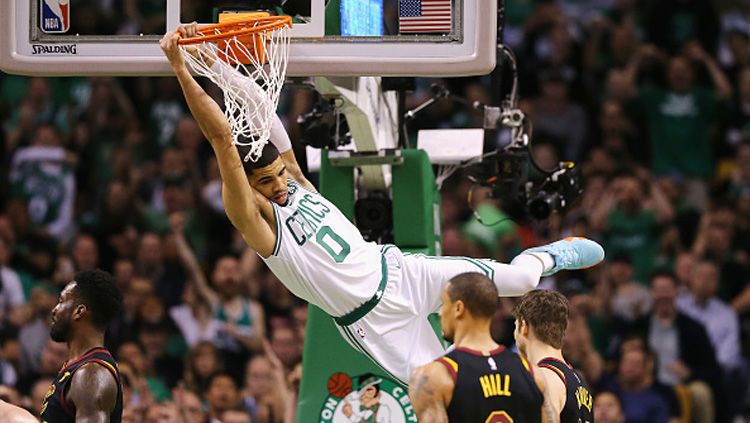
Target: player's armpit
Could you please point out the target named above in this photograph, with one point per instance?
(430, 390)
(93, 392)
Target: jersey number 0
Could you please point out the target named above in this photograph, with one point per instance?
(326, 236)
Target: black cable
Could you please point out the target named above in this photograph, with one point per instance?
(474, 212)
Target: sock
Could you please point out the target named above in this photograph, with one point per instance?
(536, 259)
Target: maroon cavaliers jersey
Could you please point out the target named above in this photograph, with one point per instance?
(54, 407)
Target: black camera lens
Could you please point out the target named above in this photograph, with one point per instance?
(542, 204)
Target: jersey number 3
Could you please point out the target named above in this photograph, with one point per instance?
(336, 247)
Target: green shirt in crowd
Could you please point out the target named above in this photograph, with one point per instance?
(679, 130)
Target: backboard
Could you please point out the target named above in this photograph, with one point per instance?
(329, 38)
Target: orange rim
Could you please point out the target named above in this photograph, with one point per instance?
(234, 28)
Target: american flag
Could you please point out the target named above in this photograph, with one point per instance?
(424, 16)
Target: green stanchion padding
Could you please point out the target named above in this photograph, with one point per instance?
(331, 368)
(416, 202)
(337, 185)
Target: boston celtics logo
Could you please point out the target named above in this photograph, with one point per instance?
(366, 398)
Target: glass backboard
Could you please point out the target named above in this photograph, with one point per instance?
(330, 37)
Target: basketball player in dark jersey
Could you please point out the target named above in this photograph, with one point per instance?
(541, 321)
(87, 388)
(479, 380)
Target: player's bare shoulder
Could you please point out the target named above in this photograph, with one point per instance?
(430, 389)
(12, 414)
(93, 390)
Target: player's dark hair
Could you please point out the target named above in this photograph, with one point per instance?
(547, 314)
(476, 291)
(98, 291)
(269, 154)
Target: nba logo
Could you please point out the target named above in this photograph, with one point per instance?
(55, 16)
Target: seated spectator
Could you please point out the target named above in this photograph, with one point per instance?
(722, 326)
(642, 402)
(608, 408)
(683, 350)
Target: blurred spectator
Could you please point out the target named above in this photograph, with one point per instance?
(285, 345)
(38, 392)
(8, 372)
(641, 401)
(222, 395)
(165, 412)
(34, 333)
(201, 362)
(236, 416)
(683, 350)
(265, 393)
(630, 217)
(238, 323)
(193, 317)
(51, 360)
(189, 406)
(142, 371)
(557, 117)
(156, 339)
(11, 292)
(722, 326)
(42, 177)
(85, 252)
(628, 300)
(608, 408)
(679, 117)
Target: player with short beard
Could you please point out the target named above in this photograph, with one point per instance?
(87, 388)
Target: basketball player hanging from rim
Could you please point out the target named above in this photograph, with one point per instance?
(379, 297)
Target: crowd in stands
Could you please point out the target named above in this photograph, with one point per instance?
(650, 98)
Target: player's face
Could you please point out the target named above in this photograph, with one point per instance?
(271, 181)
(61, 314)
(447, 321)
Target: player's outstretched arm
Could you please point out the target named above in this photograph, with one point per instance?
(240, 203)
(430, 390)
(93, 392)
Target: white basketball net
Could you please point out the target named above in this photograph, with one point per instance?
(251, 91)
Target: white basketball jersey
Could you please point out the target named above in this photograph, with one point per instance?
(320, 256)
